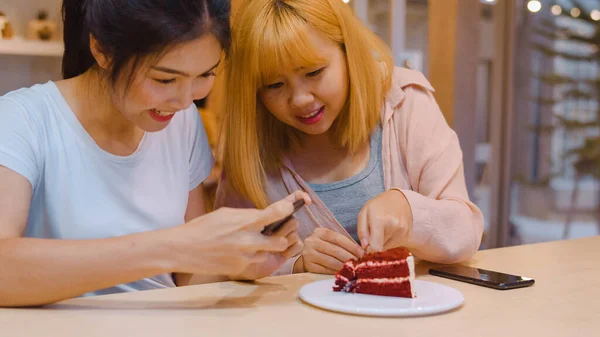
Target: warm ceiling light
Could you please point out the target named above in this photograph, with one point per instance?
(556, 10)
(534, 6)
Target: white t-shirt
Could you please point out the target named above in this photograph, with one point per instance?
(83, 192)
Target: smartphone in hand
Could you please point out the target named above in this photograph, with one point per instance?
(274, 227)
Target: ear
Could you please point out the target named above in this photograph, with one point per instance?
(102, 59)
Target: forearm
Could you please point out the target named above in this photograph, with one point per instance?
(191, 279)
(42, 271)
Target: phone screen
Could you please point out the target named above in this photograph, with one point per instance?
(482, 276)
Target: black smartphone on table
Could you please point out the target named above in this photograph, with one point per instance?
(274, 227)
(483, 277)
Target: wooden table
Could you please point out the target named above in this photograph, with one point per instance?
(565, 301)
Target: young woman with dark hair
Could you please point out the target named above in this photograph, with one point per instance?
(100, 173)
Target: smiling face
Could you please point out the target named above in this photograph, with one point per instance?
(161, 89)
(309, 97)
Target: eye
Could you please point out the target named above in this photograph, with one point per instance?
(315, 73)
(275, 85)
(209, 74)
(172, 80)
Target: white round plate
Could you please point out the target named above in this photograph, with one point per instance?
(432, 298)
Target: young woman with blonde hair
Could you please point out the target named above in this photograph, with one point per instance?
(315, 103)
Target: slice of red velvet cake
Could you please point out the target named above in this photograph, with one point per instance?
(389, 273)
(345, 279)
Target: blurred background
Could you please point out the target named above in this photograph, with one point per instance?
(517, 80)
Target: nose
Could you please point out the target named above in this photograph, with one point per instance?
(183, 100)
(301, 96)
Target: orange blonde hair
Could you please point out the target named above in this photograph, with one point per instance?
(269, 36)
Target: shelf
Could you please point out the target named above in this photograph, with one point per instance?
(31, 48)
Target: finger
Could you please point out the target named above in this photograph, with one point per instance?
(279, 210)
(293, 241)
(318, 269)
(340, 240)
(297, 195)
(334, 251)
(275, 212)
(363, 229)
(394, 234)
(377, 235)
(293, 250)
(247, 219)
(292, 238)
(325, 260)
(289, 227)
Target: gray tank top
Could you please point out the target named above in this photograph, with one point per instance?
(346, 198)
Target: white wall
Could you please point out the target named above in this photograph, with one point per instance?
(20, 12)
(23, 71)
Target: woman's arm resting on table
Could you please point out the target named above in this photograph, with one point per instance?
(447, 226)
(434, 218)
(225, 242)
(41, 271)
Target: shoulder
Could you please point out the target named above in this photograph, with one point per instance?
(28, 106)
(407, 82)
(186, 136)
(411, 105)
(36, 96)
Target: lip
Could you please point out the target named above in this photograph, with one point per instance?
(314, 119)
(159, 118)
(309, 111)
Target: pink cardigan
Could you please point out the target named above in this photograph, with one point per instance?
(422, 157)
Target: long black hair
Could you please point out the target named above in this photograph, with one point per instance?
(129, 30)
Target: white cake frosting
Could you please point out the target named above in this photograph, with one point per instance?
(410, 261)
